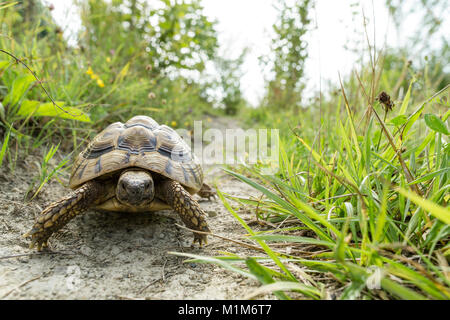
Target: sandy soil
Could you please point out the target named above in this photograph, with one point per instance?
(115, 255)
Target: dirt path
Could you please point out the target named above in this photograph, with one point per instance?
(115, 255)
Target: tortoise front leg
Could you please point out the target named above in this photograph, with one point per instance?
(189, 210)
(59, 213)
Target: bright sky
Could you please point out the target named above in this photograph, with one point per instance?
(248, 23)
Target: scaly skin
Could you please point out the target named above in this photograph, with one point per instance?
(189, 210)
(207, 192)
(59, 213)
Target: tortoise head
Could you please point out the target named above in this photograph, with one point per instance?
(135, 188)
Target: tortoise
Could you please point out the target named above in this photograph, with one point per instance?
(137, 166)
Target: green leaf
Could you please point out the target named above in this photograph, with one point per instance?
(4, 64)
(258, 271)
(263, 276)
(413, 118)
(266, 248)
(28, 107)
(399, 120)
(429, 176)
(20, 86)
(297, 239)
(5, 5)
(434, 123)
(436, 210)
(49, 110)
(204, 259)
(400, 291)
(416, 278)
(406, 99)
(285, 286)
(292, 209)
(5, 146)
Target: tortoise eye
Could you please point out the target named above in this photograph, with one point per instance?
(147, 185)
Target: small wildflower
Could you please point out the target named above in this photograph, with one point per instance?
(89, 71)
(278, 120)
(173, 123)
(151, 95)
(94, 76)
(108, 59)
(186, 124)
(208, 119)
(100, 83)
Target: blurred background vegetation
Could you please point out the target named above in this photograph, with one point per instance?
(132, 58)
(129, 59)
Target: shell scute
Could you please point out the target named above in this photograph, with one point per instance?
(140, 142)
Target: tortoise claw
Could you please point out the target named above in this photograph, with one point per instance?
(201, 239)
(38, 239)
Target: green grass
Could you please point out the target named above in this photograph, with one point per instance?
(45, 172)
(371, 193)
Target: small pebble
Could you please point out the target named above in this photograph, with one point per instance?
(85, 250)
(205, 278)
(211, 213)
(23, 259)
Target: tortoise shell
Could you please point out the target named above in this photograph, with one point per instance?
(140, 142)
